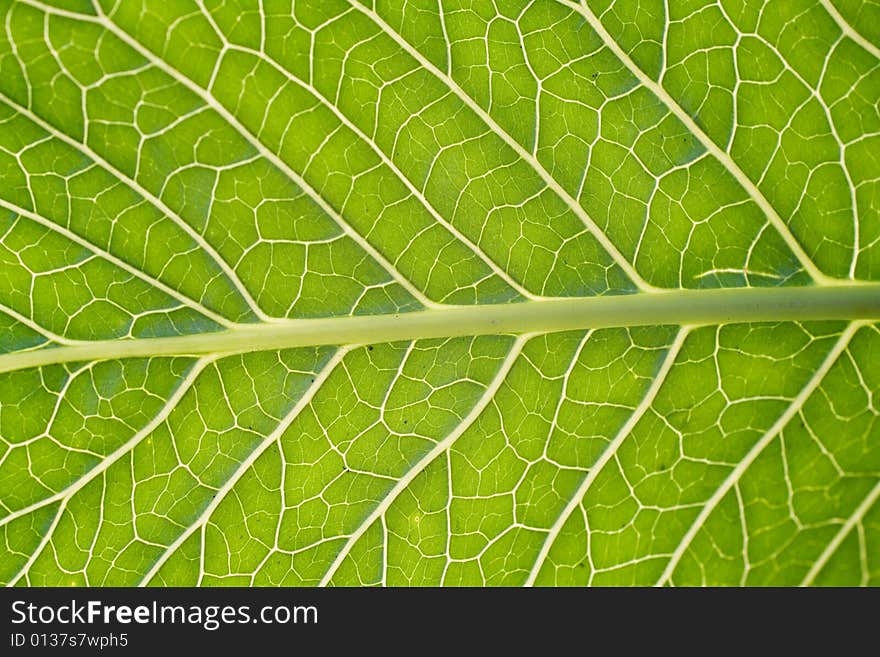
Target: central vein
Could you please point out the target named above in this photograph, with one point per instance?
(683, 307)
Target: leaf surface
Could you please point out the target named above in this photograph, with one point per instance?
(410, 292)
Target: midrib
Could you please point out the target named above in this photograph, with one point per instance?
(681, 307)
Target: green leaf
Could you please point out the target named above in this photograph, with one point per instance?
(411, 292)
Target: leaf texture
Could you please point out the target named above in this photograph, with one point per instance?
(322, 292)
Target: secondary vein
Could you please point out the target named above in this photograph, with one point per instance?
(720, 154)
